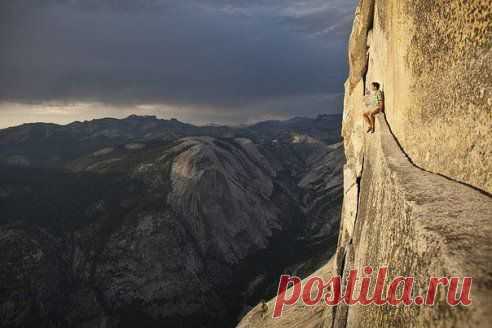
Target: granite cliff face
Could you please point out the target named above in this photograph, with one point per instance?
(417, 191)
(152, 223)
(433, 59)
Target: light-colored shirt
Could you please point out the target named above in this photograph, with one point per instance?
(378, 98)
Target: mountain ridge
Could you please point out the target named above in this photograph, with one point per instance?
(177, 228)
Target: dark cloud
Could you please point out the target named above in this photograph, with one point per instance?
(220, 54)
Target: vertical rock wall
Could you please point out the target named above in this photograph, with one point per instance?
(417, 192)
(434, 61)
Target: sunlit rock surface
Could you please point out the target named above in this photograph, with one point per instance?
(417, 191)
(434, 64)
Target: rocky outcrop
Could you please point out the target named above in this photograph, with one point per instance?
(417, 191)
(418, 224)
(434, 61)
(295, 316)
(127, 231)
(407, 204)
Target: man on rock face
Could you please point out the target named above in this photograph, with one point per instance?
(377, 106)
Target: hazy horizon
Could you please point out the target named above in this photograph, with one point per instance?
(125, 116)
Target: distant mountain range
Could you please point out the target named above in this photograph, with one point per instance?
(150, 222)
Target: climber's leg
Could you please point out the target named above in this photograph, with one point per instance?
(367, 118)
(373, 121)
(372, 117)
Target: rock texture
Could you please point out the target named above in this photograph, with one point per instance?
(417, 191)
(418, 224)
(296, 316)
(404, 205)
(154, 223)
(434, 61)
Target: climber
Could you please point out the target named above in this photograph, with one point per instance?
(377, 105)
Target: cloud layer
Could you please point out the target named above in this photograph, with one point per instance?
(237, 59)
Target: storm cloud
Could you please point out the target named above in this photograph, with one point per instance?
(215, 60)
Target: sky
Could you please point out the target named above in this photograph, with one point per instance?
(201, 61)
